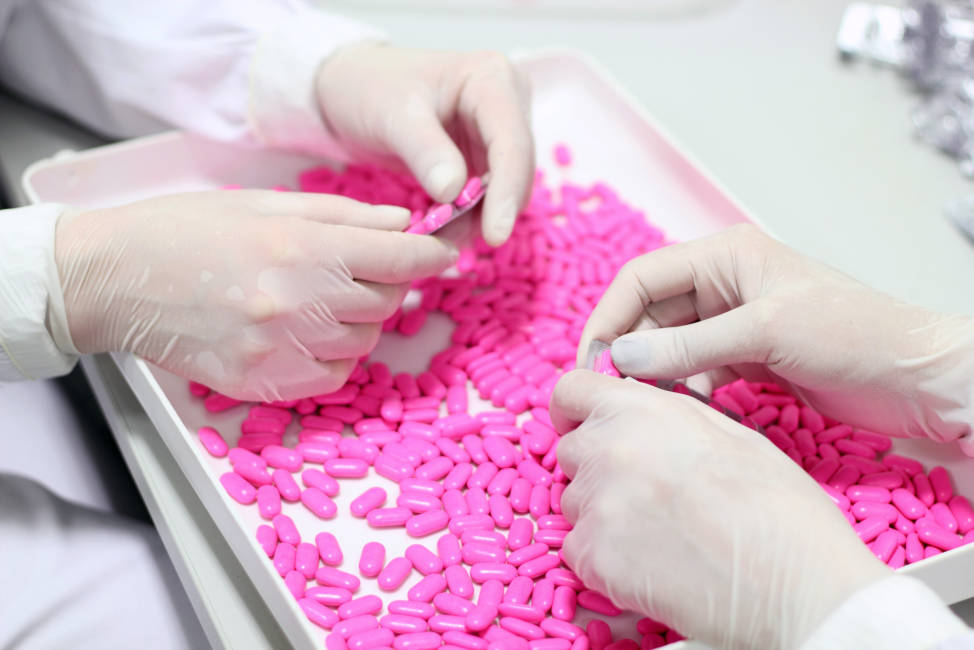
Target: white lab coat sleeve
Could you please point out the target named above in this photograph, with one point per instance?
(34, 339)
(896, 613)
(233, 70)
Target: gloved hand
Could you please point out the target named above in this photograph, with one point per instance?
(685, 516)
(257, 294)
(746, 305)
(442, 114)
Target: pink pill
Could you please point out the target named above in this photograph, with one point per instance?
(422, 486)
(459, 639)
(400, 624)
(865, 509)
(534, 473)
(884, 545)
(328, 549)
(372, 560)
(960, 507)
(924, 491)
(394, 574)
(284, 556)
(484, 571)
(894, 461)
(368, 501)
(213, 442)
(425, 561)
(480, 617)
(539, 502)
(347, 467)
(445, 622)
(519, 591)
(869, 493)
(599, 634)
(239, 489)
(941, 514)
(596, 602)
(908, 504)
(318, 613)
(314, 478)
(482, 476)
(502, 482)
(565, 578)
(330, 596)
(332, 577)
(491, 593)
(888, 480)
(427, 523)
(435, 469)
(500, 451)
(539, 566)
(267, 538)
(521, 628)
(475, 552)
(458, 476)
(268, 501)
(520, 496)
(355, 625)
(319, 503)
(424, 590)
(406, 384)
(933, 534)
(479, 536)
(418, 641)
(940, 482)
(500, 511)
(448, 548)
(381, 638)
(543, 594)
(561, 628)
(458, 581)
(286, 530)
(306, 559)
(474, 446)
(360, 607)
(411, 608)
(388, 517)
(452, 604)
(282, 457)
(870, 527)
(470, 522)
(520, 534)
(527, 553)
(316, 451)
(253, 474)
(455, 504)
(550, 643)
(563, 605)
(418, 430)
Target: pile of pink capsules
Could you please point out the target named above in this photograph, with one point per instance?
(487, 483)
(902, 512)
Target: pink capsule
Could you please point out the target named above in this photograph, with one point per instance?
(316, 451)
(491, 593)
(527, 553)
(394, 574)
(452, 450)
(418, 641)
(940, 482)
(520, 496)
(452, 604)
(411, 608)
(960, 507)
(599, 634)
(477, 503)
(521, 628)
(328, 549)
(562, 628)
(424, 590)
(284, 556)
(319, 503)
(253, 473)
(457, 639)
(484, 571)
(534, 473)
(475, 552)
(368, 501)
(318, 613)
(213, 442)
(539, 566)
(458, 581)
(870, 527)
(268, 501)
(239, 489)
(908, 504)
(346, 467)
(435, 469)
(306, 560)
(332, 577)
(388, 517)
(448, 548)
(400, 624)
(521, 533)
(869, 493)
(355, 625)
(864, 509)
(360, 606)
(519, 591)
(314, 478)
(933, 534)
(596, 602)
(267, 538)
(480, 617)
(553, 643)
(392, 468)
(371, 561)
(329, 596)
(500, 511)
(423, 486)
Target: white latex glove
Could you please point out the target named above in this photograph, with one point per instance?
(257, 294)
(441, 114)
(747, 305)
(685, 516)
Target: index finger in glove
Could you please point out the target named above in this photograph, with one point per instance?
(390, 257)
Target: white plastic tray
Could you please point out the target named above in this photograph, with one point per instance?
(612, 139)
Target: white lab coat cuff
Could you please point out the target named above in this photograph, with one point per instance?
(34, 339)
(283, 103)
(896, 612)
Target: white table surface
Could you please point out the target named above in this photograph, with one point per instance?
(819, 151)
